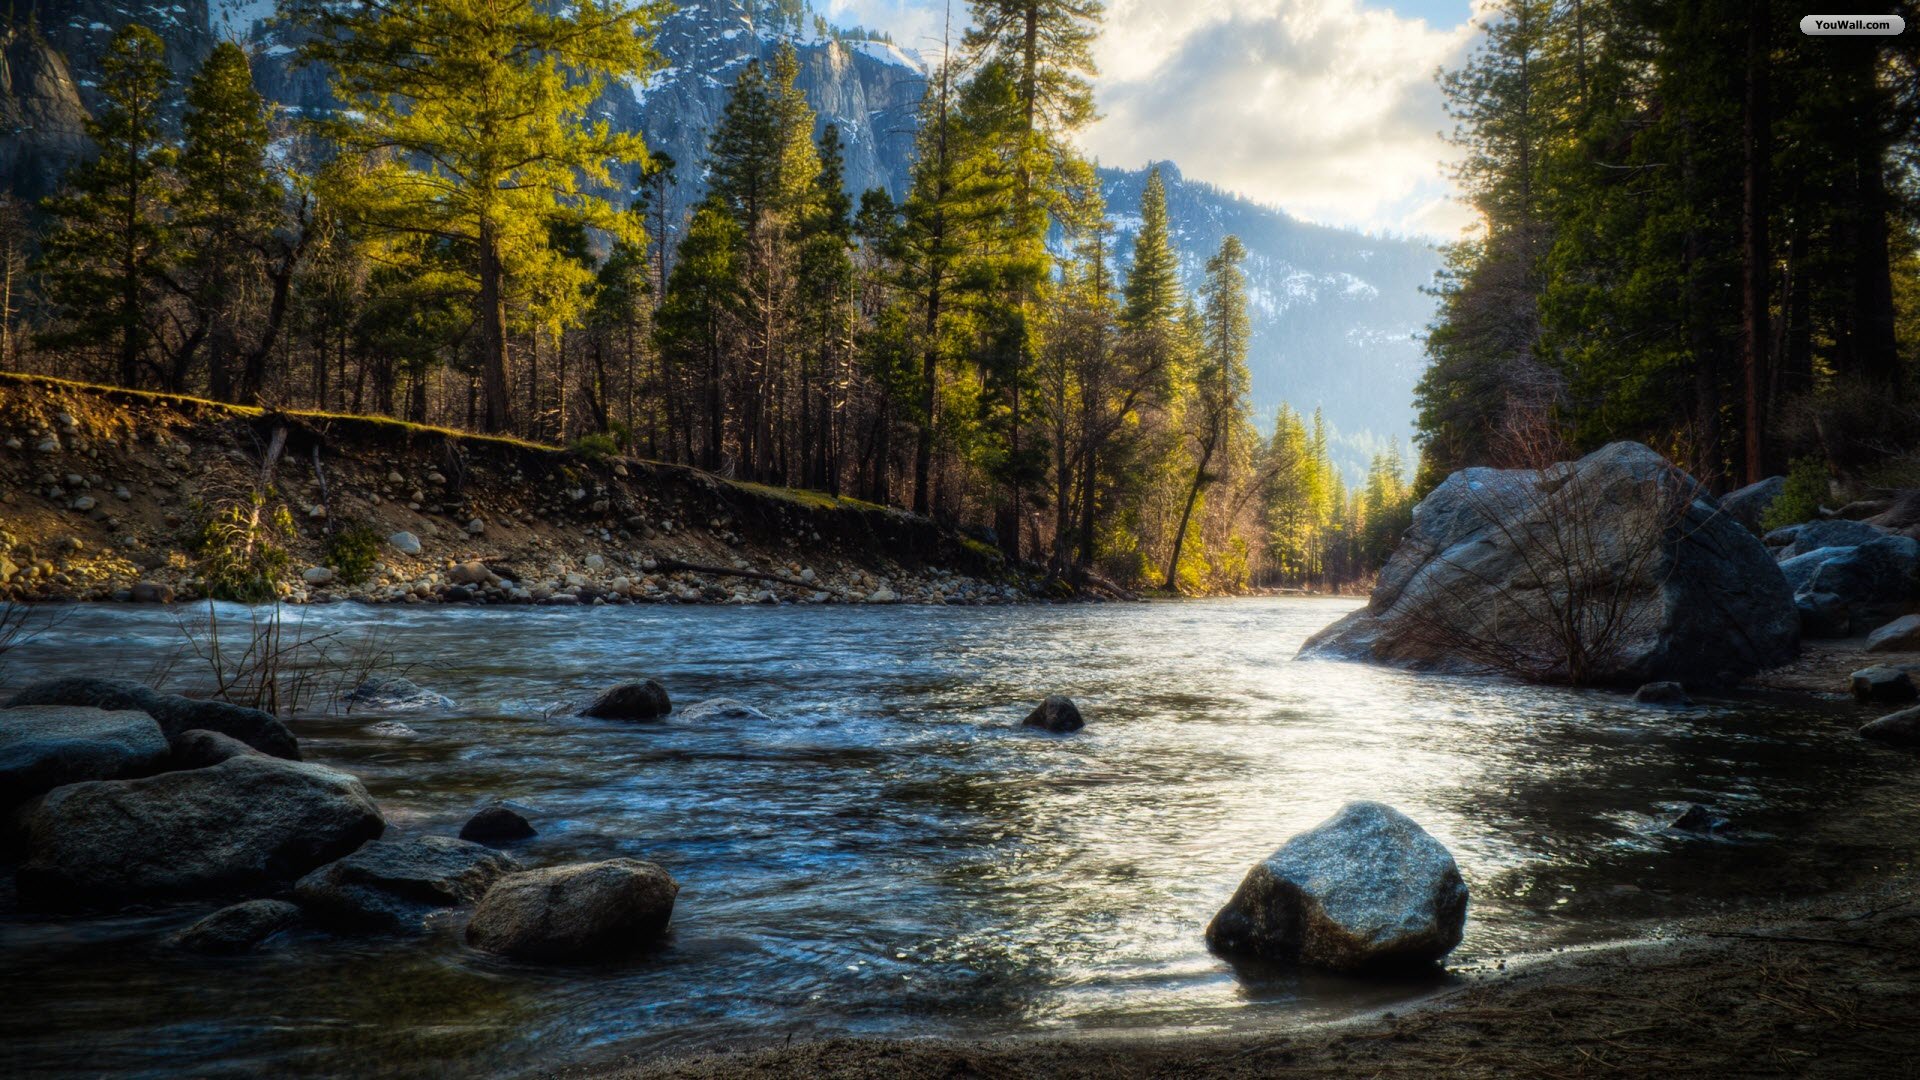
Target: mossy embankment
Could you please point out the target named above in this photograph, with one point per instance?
(102, 491)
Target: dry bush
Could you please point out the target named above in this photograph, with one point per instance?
(262, 660)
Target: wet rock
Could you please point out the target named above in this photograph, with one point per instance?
(631, 701)
(246, 823)
(1698, 819)
(1900, 729)
(1749, 504)
(1800, 569)
(317, 575)
(581, 911)
(43, 747)
(1057, 713)
(1876, 580)
(1366, 889)
(395, 884)
(237, 929)
(175, 714)
(390, 694)
(496, 823)
(722, 710)
(1822, 615)
(882, 595)
(1700, 593)
(473, 572)
(198, 749)
(152, 592)
(405, 543)
(1900, 635)
(1662, 693)
(1882, 685)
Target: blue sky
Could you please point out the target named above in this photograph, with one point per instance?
(1325, 108)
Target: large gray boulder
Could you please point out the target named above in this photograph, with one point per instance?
(1749, 504)
(395, 884)
(1797, 540)
(239, 928)
(1366, 889)
(1620, 551)
(582, 911)
(247, 823)
(175, 714)
(1900, 635)
(1876, 581)
(45, 746)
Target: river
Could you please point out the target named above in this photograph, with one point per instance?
(891, 854)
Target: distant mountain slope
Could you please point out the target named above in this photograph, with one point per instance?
(1334, 311)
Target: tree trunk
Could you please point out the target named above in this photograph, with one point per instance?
(1755, 256)
(493, 335)
(1193, 496)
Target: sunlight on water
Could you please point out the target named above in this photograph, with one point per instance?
(890, 853)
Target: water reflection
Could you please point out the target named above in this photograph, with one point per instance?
(890, 853)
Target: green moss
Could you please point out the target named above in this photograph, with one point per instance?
(983, 550)
(596, 447)
(812, 500)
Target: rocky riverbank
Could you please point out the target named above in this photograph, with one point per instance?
(105, 495)
(1821, 987)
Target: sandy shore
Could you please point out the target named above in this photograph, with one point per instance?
(1826, 987)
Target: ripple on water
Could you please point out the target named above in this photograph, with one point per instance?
(890, 853)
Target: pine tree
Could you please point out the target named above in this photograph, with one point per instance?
(227, 208)
(109, 245)
(471, 118)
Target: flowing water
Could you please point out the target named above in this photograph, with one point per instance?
(891, 854)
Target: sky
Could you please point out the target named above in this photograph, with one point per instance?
(1325, 108)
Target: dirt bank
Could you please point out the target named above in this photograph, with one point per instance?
(101, 491)
(1829, 987)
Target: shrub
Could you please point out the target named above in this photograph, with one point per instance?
(1799, 499)
(241, 547)
(352, 551)
(596, 447)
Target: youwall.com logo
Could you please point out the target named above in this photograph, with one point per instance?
(1851, 25)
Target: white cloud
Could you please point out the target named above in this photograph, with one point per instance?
(1326, 108)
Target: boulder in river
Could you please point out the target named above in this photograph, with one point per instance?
(1882, 685)
(1056, 713)
(246, 823)
(720, 709)
(1367, 889)
(198, 749)
(1900, 729)
(1621, 551)
(176, 715)
(238, 928)
(577, 912)
(631, 701)
(394, 884)
(391, 694)
(1698, 819)
(45, 746)
(496, 823)
(1900, 635)
(1662, 693)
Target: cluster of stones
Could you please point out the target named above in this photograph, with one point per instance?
(121, 795)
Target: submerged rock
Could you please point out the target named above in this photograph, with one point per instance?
(389, 693)
(45, 746)
(1468, 589)
(1662, 693)
(1882, 685)
(631, 701)
(1698, 819)
(496, 823)
(1900, 635)
(1900, 729)
(1366, 889)
(1057, 713)
(245, 823)
(723, 709)
(176, 715)
(582, 911)
(394, 884)
(239, 928)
